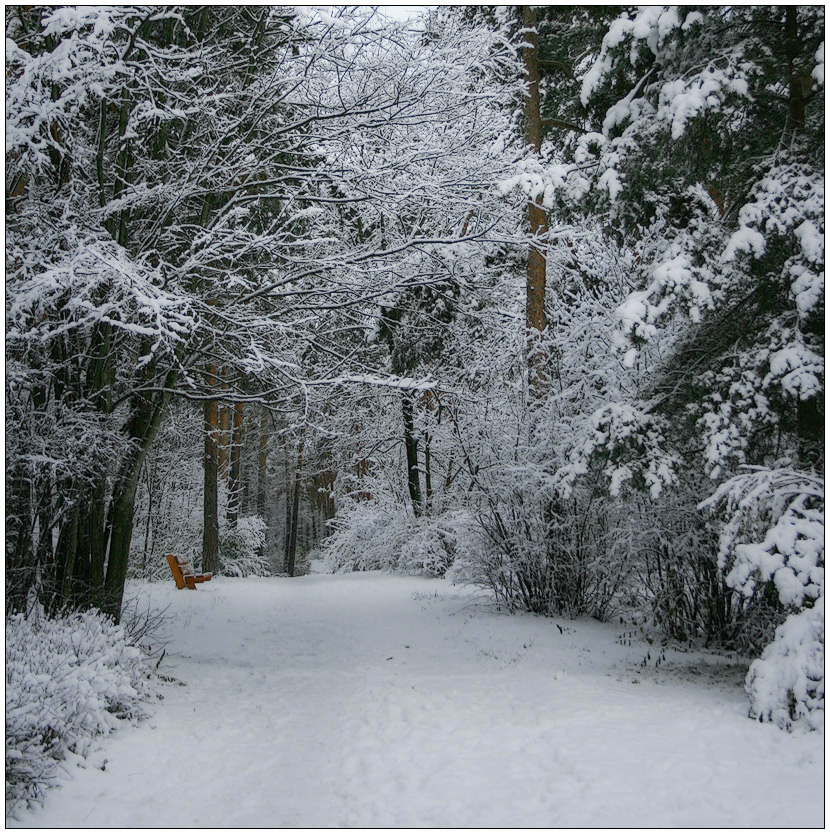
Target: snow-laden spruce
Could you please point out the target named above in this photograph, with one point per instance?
(718, 192)
(773, 543)
(786, 684)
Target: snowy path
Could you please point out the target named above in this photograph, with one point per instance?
(373, 700)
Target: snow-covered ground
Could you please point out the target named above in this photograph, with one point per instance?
(385, 701)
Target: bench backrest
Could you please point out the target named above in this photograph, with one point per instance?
(178, 570)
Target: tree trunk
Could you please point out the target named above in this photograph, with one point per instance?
(411, 443)
(225, 428)
(262, 471)
(247, 468)
(427, 473)
(536, 320)
(65, 554)
(798, 84)
(429, 402)
(235, 467)
(123, 172)
(286, 535)
(210, 535)
(97, 543)
(291, 561)
(20, 563)
(142, 430)
(90, 557)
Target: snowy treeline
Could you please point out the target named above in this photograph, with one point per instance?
(531, 298)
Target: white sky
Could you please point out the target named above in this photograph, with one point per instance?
(402, 12)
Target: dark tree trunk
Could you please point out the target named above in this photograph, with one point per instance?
(429, 402)
(210, 533)
(224, 436)
(262, 470)
(142, 430)
(65, 554)
(97, 543)
(427, 471)
(235, 467)
(121, 531)
(288, 506)
(291, 561)
(247, 468)
(799, 85)
(20, 566)
(411, 444)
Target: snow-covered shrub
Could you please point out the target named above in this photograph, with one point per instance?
(372, 536)
(786, 684)
(241, 550)
(676, 581)
(538, 554)
(773, 543)
(145, 627)
(68, 681)
(434, 542)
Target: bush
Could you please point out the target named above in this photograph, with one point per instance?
(537, 554)
(369, 536)
(68, 681)
(242, 551)
(674, 552)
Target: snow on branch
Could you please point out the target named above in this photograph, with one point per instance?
(774, 539)
(629, 445)
(392, 381)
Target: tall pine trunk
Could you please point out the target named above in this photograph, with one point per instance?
(262, 470)
(262, 465)
(235, 467)
(535, 318)
(210, 533)
(291, 560)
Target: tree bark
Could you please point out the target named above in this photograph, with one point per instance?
(536, 320)
(142, 430)
(88, 579)
(97, 544)
(427, 473)
(65, 555)
(411, 444)
(235, 467)
(288, 505)
(796, 82)
(262, 460)
(20, 563)
(123, 175)
(225, 430)
(429, 402)
(291, 561)
(210, 535)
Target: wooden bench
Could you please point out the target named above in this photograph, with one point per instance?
(184, 574)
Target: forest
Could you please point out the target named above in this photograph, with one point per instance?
(526, 298)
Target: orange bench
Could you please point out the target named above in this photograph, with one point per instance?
(184, 574)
